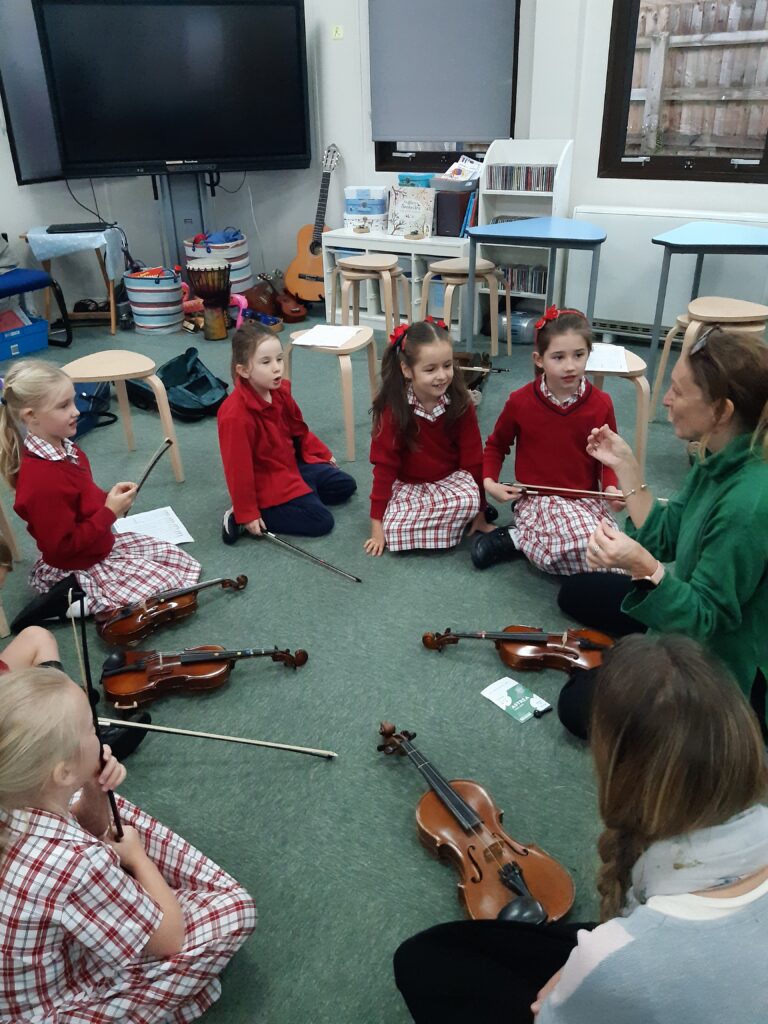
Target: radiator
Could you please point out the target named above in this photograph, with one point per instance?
(630, 266)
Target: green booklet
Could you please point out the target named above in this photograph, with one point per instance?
(514, 698)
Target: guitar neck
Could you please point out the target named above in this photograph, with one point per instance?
(459, 808)
(322, 204)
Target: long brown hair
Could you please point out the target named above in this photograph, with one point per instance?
(734, 365)
(676, 748)
(245, 341)
(393, 393)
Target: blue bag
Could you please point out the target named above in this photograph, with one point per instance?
(92, 401)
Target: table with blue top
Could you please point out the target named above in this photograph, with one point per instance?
(551, 233)
(700, 238)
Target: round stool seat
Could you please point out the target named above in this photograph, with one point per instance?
(460, 265)
(111, 364)
(371, 263)
(711, 309)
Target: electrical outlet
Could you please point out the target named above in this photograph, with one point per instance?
(337, 32)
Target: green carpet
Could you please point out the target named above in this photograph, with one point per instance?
(329, 848)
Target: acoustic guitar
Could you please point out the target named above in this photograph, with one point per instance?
(304, 277)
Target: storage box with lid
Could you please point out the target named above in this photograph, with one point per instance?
(365, 200)
(412, 179)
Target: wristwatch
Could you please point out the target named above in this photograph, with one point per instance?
(652, 581)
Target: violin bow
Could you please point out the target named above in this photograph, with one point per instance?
(484, 369)
(268, 535)
(327, 754)
(92, 695)
(153, 462)
(570, 492)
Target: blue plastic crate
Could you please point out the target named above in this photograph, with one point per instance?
(415, 179)
(22, 340)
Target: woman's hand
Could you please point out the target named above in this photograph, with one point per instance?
(129, 849)
(502, 492)
(607, 447)
(544, 991)
(120, 498)
(617, 503)
(113, 773)
(609, 548)
(375, 544)
(256, 527)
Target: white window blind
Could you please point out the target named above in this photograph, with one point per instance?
(441, 70)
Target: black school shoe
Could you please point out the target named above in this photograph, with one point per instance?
(230, 530)
(491, 548)
(123, 741)
(48, 607)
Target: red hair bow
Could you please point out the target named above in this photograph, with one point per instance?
(437, 323)
(396, 337)
(549, 314)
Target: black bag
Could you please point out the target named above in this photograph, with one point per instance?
(193, 391)
(92, 401)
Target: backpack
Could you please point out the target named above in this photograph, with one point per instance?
(193, 391)
(92, 401)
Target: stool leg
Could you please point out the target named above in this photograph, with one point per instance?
(6, 531)
(4, 630)
(372, 366)
(345, 367)
(657, 384)
(161, 397)
(493, 307)
(598, 380)
(386, 290)
(395, 301)
(447, 303)
(345, 286)
(356, 303)
(641, 420)
(334, 286)
(508, 304)
(424, 304)
(692, 331)
(287, 353)
(125, 414)
(407, 299)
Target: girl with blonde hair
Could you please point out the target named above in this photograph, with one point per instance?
(69, 517)
(96, 929)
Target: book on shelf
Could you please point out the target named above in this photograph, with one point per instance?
(468, 215)
(411, 211)
(521, 177)
(507, 218)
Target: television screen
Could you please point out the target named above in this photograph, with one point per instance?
(137, 86)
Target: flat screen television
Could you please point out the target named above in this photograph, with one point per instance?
(147, 86)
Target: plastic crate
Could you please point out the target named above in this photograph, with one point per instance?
(22, 340)
(411, 179)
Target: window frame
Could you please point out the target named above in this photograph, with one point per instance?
(618, 84)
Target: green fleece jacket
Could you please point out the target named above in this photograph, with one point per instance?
(716, 532)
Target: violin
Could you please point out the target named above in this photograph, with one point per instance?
(526, 647)
(131, 678)
(128, 625)
(498, 876)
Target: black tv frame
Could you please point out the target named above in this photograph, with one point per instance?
(130, 168)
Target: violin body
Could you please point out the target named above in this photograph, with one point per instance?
(480, 888)
(530, 648)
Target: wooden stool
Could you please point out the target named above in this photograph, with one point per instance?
(735, 314)
(636, 373)
(363, 339)
(396, 275)
(383, 268)
(454, 273)
(118, 366)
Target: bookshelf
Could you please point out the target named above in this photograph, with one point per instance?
(537, 173)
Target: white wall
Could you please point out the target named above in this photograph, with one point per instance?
(282, 200)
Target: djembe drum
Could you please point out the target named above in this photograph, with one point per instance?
(210, 279)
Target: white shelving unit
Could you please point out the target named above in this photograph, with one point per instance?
(496, 202)
(414, 255)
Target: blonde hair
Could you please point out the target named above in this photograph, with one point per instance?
(29, 384)
(676, 748)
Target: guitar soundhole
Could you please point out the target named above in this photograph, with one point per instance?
(315, 248)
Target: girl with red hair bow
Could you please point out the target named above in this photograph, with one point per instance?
(426, 449)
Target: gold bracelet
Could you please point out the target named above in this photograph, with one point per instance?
(642, 487)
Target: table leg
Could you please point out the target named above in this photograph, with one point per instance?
(125, 414)
(493, 306)
(46, 265)
(697, 276)
(551, 270)
(287, 353)
(467, 328)
(110, 286)
(508, 304)
(161, 397)
(641, 420)
(593, 282)
(662, 294)
(345, 367)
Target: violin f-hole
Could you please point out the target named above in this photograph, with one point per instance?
(475, 864)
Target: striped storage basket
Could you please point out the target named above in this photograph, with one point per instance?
(235, 253)
(155, 300)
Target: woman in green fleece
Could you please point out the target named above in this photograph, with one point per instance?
(715, 530)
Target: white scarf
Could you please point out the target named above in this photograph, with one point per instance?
(706, 859)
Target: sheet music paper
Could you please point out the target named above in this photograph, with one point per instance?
(607, 359)
(327, 336)
(160, 523)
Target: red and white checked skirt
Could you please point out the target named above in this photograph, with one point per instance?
(552, 531)
(431, 515)
(219, 915)
(137, 567)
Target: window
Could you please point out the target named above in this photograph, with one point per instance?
(687, 91)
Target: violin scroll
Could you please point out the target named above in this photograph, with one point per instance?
(437, 641)
(294, 661)
(393, 740)
(237, 584)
